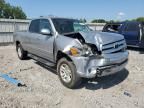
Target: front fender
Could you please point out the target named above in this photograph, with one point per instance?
(63, 44)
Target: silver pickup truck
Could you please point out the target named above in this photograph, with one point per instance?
(73, 48)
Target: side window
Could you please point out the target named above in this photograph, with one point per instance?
(34, 26)
(45, 24)
(132, 27)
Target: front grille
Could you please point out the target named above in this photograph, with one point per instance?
(114, 47)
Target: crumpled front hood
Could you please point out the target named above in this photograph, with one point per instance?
(100, 37)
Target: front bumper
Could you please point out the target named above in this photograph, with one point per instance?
(107, 64)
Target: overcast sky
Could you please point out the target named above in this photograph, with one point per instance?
(89, 9)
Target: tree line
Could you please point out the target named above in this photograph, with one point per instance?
(16, 12)
(140, 19)
(11, 12)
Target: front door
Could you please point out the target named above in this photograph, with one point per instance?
(39, 44)
(45, 42)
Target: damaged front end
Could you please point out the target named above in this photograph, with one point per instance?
(83, 48)
(89, 57)
(92, 66)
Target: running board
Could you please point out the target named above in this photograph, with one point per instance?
(46, 62)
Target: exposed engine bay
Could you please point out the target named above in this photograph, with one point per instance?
(78, 36)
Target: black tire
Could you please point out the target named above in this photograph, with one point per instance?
(23, 54)
(75, 79)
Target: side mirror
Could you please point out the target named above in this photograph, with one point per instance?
(45, 31)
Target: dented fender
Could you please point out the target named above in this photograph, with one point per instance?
(64, 43)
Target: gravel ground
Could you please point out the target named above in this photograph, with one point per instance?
(43, 88)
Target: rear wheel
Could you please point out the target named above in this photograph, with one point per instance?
(67, 73)
(20, 52)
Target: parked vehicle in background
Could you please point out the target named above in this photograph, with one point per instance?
(132, 31)
(77, 51)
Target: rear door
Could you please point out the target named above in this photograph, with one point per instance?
(33, 34)
(131, 33)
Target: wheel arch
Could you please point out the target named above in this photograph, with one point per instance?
(17, 42)
(61, 54)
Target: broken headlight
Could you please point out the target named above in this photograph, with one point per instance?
(86, 50)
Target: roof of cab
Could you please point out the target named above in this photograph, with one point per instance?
(54, 17)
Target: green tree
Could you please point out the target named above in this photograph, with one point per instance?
(113, 21)
(2, 2)
(98, 21)
(18, 13)
(140, 19)
(83, 20)
(11, 12)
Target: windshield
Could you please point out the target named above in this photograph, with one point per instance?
(69, 25)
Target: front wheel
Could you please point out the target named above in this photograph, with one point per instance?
(20, 52)
(67, 73)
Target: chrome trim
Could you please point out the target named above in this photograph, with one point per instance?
(114, 47)
(110, 45)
